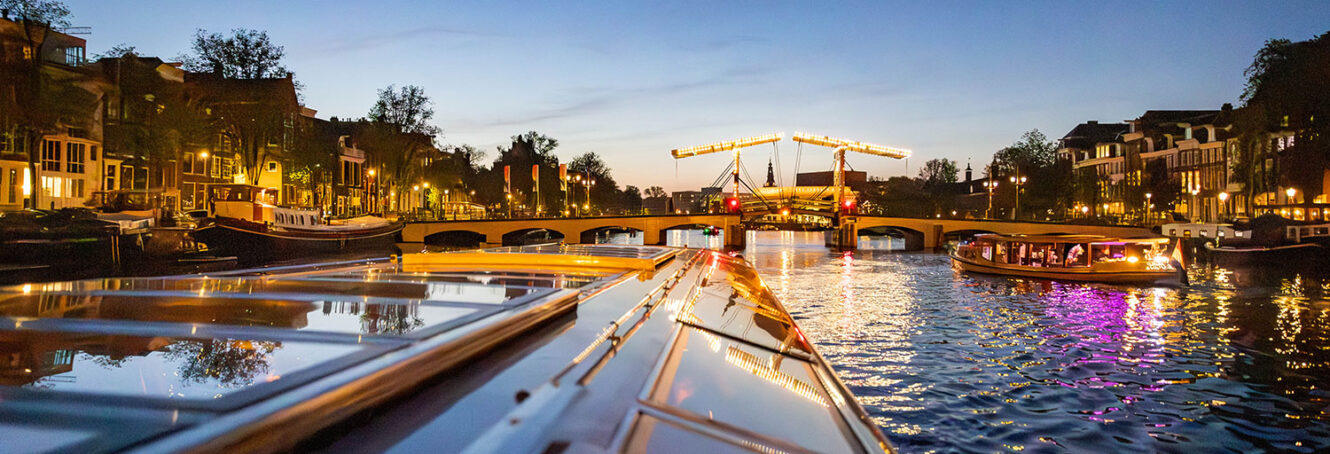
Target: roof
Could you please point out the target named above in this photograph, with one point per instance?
(1086, 135)
(611, 348)
(1068, 238)
(218, 89)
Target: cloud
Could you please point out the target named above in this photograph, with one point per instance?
(586, 100)
(366, 42)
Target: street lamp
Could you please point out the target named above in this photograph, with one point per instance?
(1015, 212)
(1223, 203)
(1147, 207)
(990, 186)
(589, 183)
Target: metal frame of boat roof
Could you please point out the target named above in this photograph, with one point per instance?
(592, 288)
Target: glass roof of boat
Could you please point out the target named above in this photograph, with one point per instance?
(133, 358)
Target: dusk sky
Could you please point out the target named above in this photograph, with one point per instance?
(633, 81)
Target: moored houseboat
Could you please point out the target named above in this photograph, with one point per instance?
(1068, 257)
(246, 222)
(536, 349)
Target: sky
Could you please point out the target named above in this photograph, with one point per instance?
(632, 80)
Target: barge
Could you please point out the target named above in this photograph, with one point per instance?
(1068, 257)
(529, 349)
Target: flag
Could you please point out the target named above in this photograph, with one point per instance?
(535, 172)
(563, 177)
(507, 179)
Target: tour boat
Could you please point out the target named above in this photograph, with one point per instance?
(72, 235)
(245, 222)
(1068, 257)
(596, 348)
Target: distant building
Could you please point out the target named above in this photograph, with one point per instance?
(690, 201)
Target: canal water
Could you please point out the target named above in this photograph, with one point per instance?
(947, 361)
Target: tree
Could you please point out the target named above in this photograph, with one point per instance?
(541, 144)
(246, 54)
(605, 191)
(1288, 89)
(1164, 189)
(1033, 150)
(632, 199)
(400, 133)
(35, 98)
(117, 51)
(939, 171)
(654, 192)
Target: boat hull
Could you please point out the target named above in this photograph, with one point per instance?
(1238, 256)
(1088, 275)
(249, 239)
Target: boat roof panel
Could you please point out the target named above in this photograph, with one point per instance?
(1069, 238)
(639, 349)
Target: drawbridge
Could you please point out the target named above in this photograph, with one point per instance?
(781, 203)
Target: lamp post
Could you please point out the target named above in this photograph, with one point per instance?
(1147, 207)
(589, 183)
(1019, 182)
(447, 208)
(1223, 204)
(509, 198)
(990, 186)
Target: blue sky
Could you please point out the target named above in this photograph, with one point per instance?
(633, 80)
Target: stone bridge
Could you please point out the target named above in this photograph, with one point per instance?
(919, 233)
(923, 233)
(493, 232)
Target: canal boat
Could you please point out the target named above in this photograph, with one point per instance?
(1274, 240)
(1068, 257)
(67, 235)
(589, 348)
(246, 222)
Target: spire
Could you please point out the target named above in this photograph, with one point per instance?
(968, 171)
(771, 175)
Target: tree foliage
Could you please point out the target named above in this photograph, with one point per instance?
(939, 171)
(246, 54)
(400, 133)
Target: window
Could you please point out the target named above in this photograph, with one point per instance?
(110, 177)
(187, 163)
(13, 185)
(126, 177)
(272, 166)
(74, 153)
(92, 153)
(216, 170)
(51, 155)
(187, 195)
(227, 167)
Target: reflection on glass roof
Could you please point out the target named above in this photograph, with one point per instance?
(349, 317)
(153, 366)
(651, 435)
(747, 386)
(739, 306)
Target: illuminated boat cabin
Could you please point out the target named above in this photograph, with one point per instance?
(1073, 257)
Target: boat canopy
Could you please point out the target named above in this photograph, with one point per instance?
(1059, 238)
(605, 348)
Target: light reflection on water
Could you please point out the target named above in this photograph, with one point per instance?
(949, 361)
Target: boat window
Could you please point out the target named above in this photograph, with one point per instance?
(1172, 232)
(1076, 255)
(1205, 233)
(1038, 251)
(987, 251)
(1099, 252)
(1017, 255)
(1054, 254)
(1186, 233)
(1001, 254)
(1237, 234)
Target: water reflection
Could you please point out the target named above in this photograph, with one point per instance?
(946, 360)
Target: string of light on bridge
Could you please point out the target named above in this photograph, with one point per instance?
(726, 146)
(852, 145)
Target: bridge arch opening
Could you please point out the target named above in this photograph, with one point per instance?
(612, 234)
(693, 235)
(455, 238)
(530, 236)
(890, 237)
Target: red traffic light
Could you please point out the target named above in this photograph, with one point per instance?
(848, 205)
(732, 203)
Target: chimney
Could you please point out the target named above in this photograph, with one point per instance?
(4, 13)
(1228, 107)
(968, 172)
(1092, 122)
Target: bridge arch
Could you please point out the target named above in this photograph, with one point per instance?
(532, 235)
(963, 233)
(456, 238)
(914, 239)
(589, 236)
